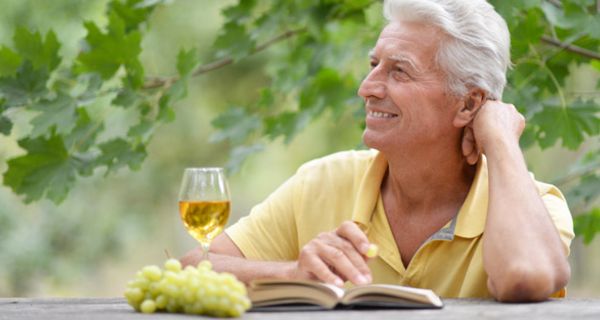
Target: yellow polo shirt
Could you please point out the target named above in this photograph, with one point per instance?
(346, 186)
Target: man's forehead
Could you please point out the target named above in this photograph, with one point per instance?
(408, 42)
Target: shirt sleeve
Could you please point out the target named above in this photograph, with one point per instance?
(561, 215)
(269, 232)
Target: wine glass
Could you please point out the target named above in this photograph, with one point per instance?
(204, 204)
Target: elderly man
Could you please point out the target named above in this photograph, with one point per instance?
(444, 191)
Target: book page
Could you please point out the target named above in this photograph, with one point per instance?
(391, 293)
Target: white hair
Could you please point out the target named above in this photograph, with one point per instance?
(476, 52)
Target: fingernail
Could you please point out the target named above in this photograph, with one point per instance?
(338, 282)
(364, 248)
(361, 280)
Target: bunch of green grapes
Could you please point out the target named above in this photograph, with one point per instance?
(191, 290)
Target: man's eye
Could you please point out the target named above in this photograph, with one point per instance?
(373, 64)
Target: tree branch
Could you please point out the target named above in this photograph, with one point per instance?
(217, 64)
(576, 175)
(570, 47)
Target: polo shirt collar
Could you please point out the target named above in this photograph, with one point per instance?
(469, 222)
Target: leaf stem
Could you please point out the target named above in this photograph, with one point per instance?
(570, 47)
(217, 64)
(542, 63)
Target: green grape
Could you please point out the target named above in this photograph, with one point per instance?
(161, 301)
(173, 265)
(134, 294)
(148, 306)
(193, 290)
(152, 273)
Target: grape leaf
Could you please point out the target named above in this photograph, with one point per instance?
(239, 154)
(241, 11)
(125, 98)
(165, 111)
(234, 41)
(118, 153)
(569, 124)
(27, 85)
(235, 124)
(132, 12)
(42, 53)
(585, 191)
(83, 136)
(9, 62)
(5, 125)
(58, 115)
(46, 170)
(104, 53)
(187, 61)
(587, 225)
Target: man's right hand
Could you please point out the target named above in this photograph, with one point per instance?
(335, 257)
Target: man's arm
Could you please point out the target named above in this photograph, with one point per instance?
(522, 251)
(225, 256)
(331, 257)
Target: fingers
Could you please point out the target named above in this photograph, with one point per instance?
(321, 271)
(351, 232)
(470, 149)
(336, 256)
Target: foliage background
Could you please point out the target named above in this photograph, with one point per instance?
(109, 226)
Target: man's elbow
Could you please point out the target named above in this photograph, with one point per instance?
(530, 284)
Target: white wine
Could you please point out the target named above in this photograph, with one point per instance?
(204, 220)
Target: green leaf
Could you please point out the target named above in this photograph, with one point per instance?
(165, 111)
(41, 53)
(587, 225)
(105, 52)
(142, 130)
(83, 136)
(118, 153)
(241, 11)
(235, 125)
(569, 124)
(239, 154)
(135, 74)
(5, 125)
(585, 191)
(234, 42)
(46, 169)
(9, 62)
(286, 124)
(187, 61)
(26, 86)
(57, 115)
(132, 12)
(125, 98)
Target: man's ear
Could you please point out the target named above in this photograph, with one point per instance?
(469, 106)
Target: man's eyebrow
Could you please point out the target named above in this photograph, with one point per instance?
(404, 59)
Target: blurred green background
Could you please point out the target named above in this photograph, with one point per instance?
(108, 228)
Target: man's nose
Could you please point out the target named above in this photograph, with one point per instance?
(372, 86)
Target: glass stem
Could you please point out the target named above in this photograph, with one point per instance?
(205, 247)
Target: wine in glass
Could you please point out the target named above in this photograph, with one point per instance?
(204, 204)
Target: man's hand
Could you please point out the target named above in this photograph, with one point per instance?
(495, 122)
(335, 257)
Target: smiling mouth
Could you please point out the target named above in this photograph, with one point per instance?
(383, 115)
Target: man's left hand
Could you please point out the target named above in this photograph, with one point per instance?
(495, 122)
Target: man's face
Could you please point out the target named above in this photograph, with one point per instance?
(406, 97)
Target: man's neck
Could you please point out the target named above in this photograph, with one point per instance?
(427, 180)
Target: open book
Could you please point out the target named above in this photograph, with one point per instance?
(267, 293)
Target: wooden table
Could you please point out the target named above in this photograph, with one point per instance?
(117, 308)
